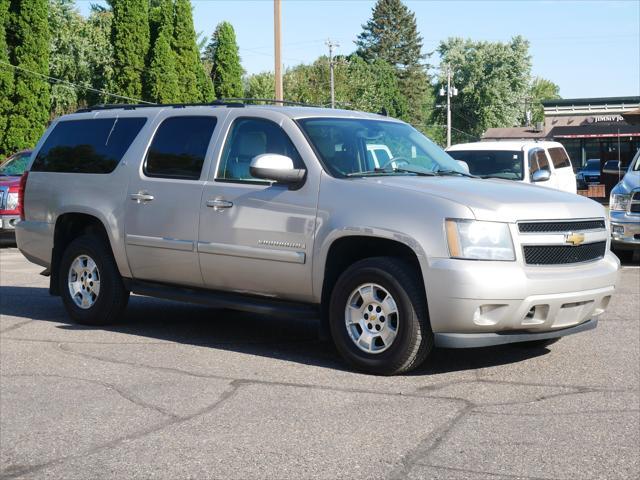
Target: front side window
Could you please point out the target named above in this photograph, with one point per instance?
(492, 163)
(179, 147)
(248, 138)
(353, 147)
(87, 146)
(559, 157)
(538, 160)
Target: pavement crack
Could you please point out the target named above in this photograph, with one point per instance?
(15, 326)
(110, 386)
(234, 386)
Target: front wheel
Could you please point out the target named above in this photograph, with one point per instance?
(90, 283)
(378, 316)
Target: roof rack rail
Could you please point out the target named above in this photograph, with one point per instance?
(222, 102)
(267, 100)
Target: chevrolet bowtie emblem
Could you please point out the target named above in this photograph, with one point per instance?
(574, 239)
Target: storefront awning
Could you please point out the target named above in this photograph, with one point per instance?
(632, 117)
(596, 131)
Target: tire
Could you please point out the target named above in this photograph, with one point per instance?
(413, 338)
(108, 301)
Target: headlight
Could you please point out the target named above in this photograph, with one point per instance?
(12, 201)
(477, 240)
(619, 201)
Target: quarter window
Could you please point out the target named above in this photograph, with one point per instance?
(179, 148)
(248, 138)
(87, 146)
(559, 157)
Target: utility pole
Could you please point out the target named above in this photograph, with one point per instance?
(450, 92)
(276, 44)
(331, 46)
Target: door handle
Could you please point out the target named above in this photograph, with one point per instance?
(219, 204)
(141, 197)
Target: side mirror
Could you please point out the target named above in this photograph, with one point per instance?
(612, 167)
(277, 168)
(464, 165)
(541, 175)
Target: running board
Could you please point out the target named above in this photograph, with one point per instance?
(217, 299)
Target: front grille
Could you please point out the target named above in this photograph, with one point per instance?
(554, 227)
(563, 254)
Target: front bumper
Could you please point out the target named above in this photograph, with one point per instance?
(8, 223)
(488, 303)
(625, 229)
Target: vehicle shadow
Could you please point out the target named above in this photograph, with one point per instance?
(294, 340)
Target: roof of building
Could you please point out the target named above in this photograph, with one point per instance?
(590, 101)
(513, 133)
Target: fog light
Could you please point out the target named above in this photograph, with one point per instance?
(618, 229)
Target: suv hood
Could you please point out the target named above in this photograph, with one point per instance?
(498, 200)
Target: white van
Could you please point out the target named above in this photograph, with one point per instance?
(543, 163)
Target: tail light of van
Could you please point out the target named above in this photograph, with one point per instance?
(21, 190)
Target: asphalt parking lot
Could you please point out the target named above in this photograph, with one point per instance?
(180, 391)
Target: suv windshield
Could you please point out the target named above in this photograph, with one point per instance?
(353, 147)
(492, 163)
(16, 165)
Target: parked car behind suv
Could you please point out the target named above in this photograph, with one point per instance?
(589, 174)
(543, 163)
(282, 210)
(10, 172)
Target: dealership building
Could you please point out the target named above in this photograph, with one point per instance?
(588, 128)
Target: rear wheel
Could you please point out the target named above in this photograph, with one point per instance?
(90, 284)
(378, 316)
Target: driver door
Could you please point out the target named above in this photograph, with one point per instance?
(256, 236)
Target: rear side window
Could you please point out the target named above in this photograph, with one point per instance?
(179, 147)
(538, 160)
(87, 146)
(559, 157)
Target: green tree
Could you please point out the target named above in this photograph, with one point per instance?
(68, 48)
(161, 82)
(28, 40)
(492, 80)
(539, 90)
(392, 35)
(99, 54)
(194, 84)
(6, 75)
(222, 53)
(130, 40)
(260, 85)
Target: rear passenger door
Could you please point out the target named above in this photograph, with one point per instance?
(163, 200)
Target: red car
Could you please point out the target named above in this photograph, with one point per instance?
(11, 171)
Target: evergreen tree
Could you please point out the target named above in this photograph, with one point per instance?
(99, 54)
(28, 40)
(161, 82)
(6, 75)
(194, 84)
(68, 48)
(130, 40)
(226, 71)
(392, 35)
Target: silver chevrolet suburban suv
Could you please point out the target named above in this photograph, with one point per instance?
(283, 210)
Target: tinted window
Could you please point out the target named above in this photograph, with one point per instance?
(492, 163)
(16, 165)
(87, 146)
(179, 147)
(559, 157)
(248, 138)
(538, 160)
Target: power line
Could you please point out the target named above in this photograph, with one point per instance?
(74, 85)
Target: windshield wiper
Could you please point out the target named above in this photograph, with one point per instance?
(453, 172)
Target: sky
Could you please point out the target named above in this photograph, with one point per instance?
(590, 48)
